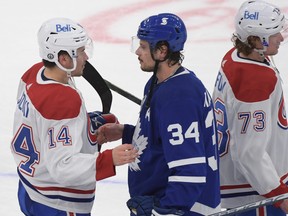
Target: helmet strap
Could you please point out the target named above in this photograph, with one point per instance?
(261, 51)
(71, 82)
(154, 77)
(153, 83)
(66, 69)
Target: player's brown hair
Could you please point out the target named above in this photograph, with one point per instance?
(245, 47)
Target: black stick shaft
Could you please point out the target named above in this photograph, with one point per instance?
(123, 93)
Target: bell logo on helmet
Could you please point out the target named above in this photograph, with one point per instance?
(66, 28)
(253, 16)
(164, 21)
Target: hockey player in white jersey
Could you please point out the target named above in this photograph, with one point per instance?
(250, 111)
(54, 143)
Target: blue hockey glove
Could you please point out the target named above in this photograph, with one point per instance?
(98, 119)
(162, 212)
(140, 205)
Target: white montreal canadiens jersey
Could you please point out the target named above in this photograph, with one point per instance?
(252, 128)
(55, 155)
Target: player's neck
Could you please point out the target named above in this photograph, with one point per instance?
(165, 71)
(254, 56)
(56, 74)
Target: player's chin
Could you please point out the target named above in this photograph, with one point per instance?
(275, 52)
(77, 73)
(81, 71)
(272, 52)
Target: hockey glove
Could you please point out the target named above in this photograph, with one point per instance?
(98, 119)
(140, 205)
(168, 212)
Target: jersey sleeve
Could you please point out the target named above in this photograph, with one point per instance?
(68, 154)
(66, 160)
(128, 133)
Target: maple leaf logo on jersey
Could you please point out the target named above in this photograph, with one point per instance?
(140, 142)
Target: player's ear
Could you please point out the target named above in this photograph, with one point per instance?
(164, 49)
(161, 51)
(64, 59)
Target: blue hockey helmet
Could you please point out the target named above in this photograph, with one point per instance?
(163, 27)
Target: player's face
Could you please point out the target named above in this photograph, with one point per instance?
(144, 56)
(274, 43)
(81, 60)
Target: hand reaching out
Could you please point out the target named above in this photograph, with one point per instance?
(109, 132)
(124, 154)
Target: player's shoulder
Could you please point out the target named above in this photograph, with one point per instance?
(52, 100)
(57, 101)
(192, 85)
(250, 81)
(184, 88)
(186, 78)
(30, 75)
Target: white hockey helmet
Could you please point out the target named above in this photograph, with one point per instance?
(258, 18)
(61, 34)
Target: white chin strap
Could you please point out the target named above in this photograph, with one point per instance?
(71, 80)
(66, 69)
(261, 51)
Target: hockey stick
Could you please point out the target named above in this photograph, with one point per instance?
(99, 84)
(123, 93)
(250, 206)
(103, 87)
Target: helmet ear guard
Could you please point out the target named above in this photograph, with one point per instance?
(258, 18)
(163, 27)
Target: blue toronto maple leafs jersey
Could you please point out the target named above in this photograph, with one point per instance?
(176, 138)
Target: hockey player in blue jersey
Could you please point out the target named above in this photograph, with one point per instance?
(176, 172)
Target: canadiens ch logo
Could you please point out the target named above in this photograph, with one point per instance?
(91, 134)
(282, 119)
